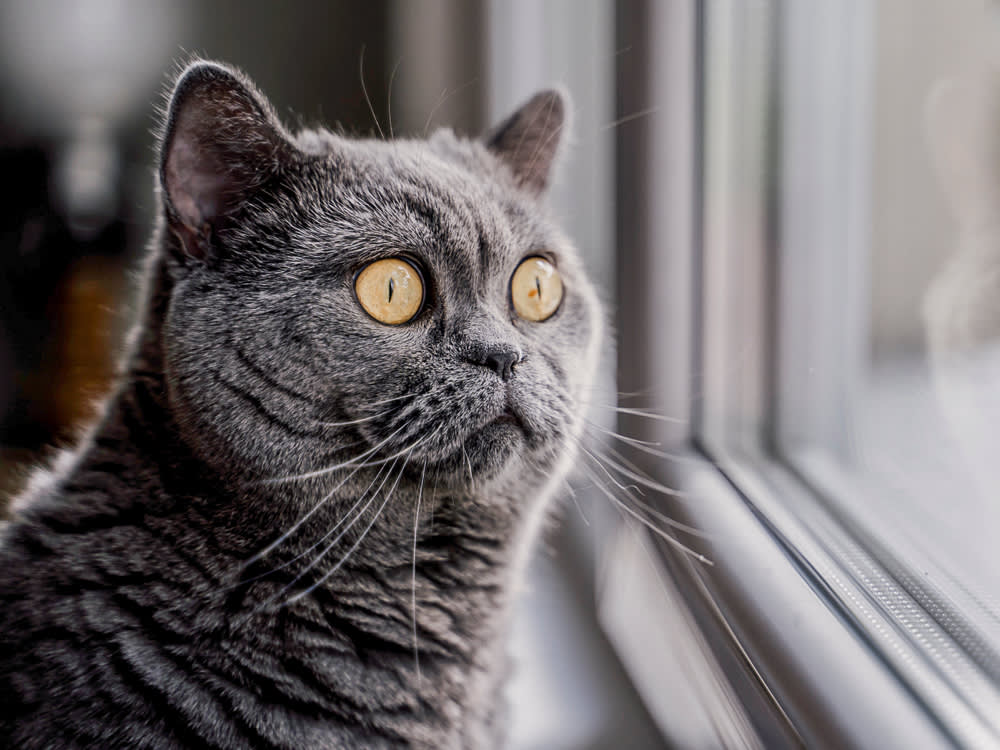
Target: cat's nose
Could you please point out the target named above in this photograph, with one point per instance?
(501, 361)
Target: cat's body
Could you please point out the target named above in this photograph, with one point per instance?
(410, 464)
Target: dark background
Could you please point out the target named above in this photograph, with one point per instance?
(80, 87)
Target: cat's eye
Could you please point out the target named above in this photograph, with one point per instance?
(536, 289)
(391, 290)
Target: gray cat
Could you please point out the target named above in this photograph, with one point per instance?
(301, 519)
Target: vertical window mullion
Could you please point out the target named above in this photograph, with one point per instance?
(824, 196)
(736, 278)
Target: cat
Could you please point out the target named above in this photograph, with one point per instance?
(357, 378)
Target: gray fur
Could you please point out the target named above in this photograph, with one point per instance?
(135, 608)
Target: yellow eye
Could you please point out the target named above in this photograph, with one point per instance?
(390, 290)
(536, 289)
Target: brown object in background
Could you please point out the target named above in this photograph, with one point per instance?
(77, 368)
(88, 307)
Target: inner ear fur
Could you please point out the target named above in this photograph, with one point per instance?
(222, 141)
(529, 140)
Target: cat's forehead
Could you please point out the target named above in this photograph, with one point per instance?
(445, 199)
(446, 173)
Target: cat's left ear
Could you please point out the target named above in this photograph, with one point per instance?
(222, 141)
(528, 141)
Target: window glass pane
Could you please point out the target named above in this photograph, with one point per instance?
(924, 423)
(887, 316)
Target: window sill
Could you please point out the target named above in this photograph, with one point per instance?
(764, 618)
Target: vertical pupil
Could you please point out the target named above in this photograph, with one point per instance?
(392, 286)
(538, 286)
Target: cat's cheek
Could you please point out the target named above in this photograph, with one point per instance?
(225, 415)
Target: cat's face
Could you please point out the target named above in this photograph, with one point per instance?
(402, 302)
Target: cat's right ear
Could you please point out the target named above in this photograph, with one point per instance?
(528, 141)
(222, 141)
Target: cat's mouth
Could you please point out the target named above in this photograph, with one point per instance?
(486, 448)
(509, 417)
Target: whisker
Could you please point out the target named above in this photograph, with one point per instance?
(632, 472)
(413, 608)
(390, 400)
(284, 536)
(637, 412)
(628, 118)
(673, 523)
(602, 388)
(623, 438)
(643, 541)
(445, 96)
(344, 465)
(676, 524)
(468, 464)
(388, 104)
(360, 513)
(645, 522)
(626, 462)
(647, 446)
(619, 485)
(332, 544)
(437, 486)
(360, 420)
(356, 544)
(572, 493)
(295, 526)
(329, 495)
(440, 100)
(634, 394)
(364, 89)
(380, 415)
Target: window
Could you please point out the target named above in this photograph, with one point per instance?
(824, 178)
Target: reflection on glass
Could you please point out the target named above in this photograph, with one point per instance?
(919, 482)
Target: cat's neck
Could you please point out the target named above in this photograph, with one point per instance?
(434, 613)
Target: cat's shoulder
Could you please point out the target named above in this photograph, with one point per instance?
(43, 481)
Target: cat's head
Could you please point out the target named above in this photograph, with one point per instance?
(404, 302)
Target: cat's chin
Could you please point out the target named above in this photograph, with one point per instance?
(485, 454)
